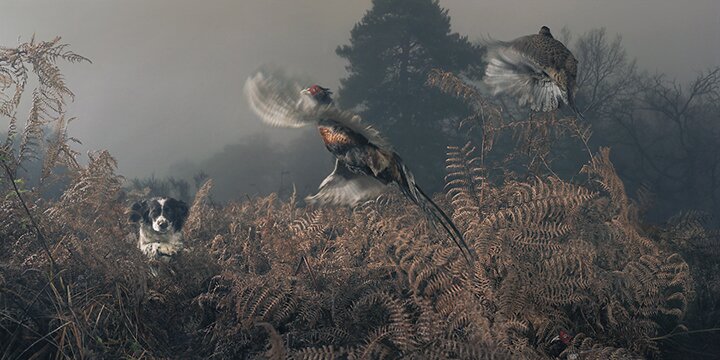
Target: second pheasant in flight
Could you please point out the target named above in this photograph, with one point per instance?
(537, 69)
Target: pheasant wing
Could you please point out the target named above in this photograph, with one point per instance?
(276, 99)
(512, 72)
(344, 187)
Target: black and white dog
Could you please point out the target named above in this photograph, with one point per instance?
(161, 220)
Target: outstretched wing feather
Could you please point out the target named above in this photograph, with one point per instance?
(511, 72)
(277, 100)
(344, 187)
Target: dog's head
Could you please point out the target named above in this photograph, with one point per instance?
(162, 214)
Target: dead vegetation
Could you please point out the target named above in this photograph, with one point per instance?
(552, 255)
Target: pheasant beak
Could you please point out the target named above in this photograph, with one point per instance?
(319, 93)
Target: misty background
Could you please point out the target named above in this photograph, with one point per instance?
(164, 91)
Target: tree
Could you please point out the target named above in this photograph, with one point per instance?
(606, 76)
(663, 134)
(673, 140)
(391, 52)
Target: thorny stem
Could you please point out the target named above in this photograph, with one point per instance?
(38, 232)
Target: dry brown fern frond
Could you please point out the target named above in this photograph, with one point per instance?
(448, 348)
(277, 349)
(562, 256)
(466, 184)
(59, 151)
(311, 225)
(397, 328)
(488, 114)
(585, 347)
(327, 352)
(696, 234)
(199, 207)
(531, 216)
(602, 172)
(48, 99)
(94, 190)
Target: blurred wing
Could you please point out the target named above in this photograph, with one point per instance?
(511, 72)
(343, 187)
(277, 100)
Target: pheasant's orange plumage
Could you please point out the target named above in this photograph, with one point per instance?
(333, 138)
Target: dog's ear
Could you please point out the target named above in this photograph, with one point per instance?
(138, 211)
(183, 212)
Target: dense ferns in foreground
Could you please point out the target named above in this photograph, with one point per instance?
(551, 256)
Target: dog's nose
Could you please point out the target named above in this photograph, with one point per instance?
(163, 225)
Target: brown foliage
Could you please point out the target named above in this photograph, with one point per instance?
(47, 106)
(552, 255)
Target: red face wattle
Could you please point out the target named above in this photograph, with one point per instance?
(565, 337)
(320, 94)
(314, 90)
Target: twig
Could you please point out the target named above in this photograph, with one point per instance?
(683, 333)
(38, 232)
(43, 338)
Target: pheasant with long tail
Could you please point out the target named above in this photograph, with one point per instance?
(365, 163)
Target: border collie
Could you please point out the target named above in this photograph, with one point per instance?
(161, 219)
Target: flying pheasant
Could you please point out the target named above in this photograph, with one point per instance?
(538, 69)
(365, 162)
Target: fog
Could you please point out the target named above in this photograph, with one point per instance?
(165, 85)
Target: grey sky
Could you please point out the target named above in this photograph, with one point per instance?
(166, 80)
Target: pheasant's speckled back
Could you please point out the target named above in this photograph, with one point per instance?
(550, 54)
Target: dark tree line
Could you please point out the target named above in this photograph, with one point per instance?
(665, 135)
(391, 52)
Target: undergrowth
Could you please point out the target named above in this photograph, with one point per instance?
(378, 281)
